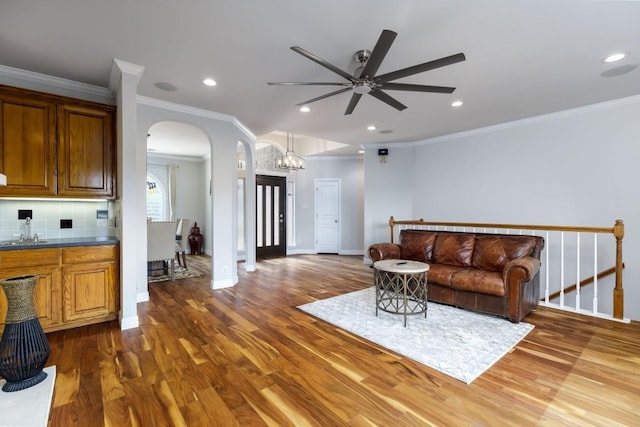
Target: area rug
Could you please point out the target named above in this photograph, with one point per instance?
(459, 343)
(180, 273)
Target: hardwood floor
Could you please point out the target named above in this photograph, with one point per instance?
(246, 356)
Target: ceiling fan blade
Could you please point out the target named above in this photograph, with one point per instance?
(352, 104)
(308, 84)
(377, 93)
(416, 88)
(420, 68)
(322, 62)
(378, 53)
(324, 96)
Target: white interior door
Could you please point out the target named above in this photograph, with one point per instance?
(327, 215)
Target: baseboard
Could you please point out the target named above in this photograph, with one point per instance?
(129, 323)
(142, 297)
(351, 252)
(221, 284)
(291, 251)
(301, 252)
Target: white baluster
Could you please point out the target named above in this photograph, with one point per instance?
(546, 269)
(595, 273)
(578, 272)
(562, 269)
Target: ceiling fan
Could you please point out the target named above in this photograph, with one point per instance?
(364, 80)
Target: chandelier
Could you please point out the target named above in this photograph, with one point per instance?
(290, 161)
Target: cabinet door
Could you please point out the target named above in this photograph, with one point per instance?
(46, 296)
(86, 151)
(27, 145)
(89, 291)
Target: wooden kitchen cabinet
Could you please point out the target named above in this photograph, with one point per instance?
(85, 151)
(89, 277)
(27, 144)
(76, 285)
(43, 263)
(56, 146)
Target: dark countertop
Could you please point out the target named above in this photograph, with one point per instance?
(59, 243)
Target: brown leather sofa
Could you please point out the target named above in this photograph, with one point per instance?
(489, 273)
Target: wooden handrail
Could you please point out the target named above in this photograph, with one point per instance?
(617, 231)
(585, 282)
(575, 229)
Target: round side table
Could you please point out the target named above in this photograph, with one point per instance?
(401, 287)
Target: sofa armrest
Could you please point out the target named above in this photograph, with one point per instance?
(380, 251)
(528, 267)
(522, 288)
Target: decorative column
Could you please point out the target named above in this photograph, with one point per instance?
(24, 348)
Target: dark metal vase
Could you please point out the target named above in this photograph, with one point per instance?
(24, 348)
(196, 240)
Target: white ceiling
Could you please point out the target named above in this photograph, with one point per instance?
(524, 57)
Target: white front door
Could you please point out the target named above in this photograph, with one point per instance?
(327, 215)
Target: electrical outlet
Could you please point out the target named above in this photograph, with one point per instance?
(24, 213)
(66, 223)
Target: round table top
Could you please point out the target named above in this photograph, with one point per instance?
(401, 266)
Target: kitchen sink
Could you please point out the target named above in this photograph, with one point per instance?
(22, 242)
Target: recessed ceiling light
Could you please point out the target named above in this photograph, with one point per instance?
(371, 127)
(615, 57)
(305, 109)
(619, 70)
(456, 103)
(360, 151)
(209, 82)
(165, 86)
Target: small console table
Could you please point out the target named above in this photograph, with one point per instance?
(401, 287)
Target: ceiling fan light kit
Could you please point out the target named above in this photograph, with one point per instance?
(364, 79)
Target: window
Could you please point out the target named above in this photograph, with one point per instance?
(156, 199)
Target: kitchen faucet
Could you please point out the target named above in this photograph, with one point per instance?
(27, 229)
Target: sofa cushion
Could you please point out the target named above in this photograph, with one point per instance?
(441, 274)
(453, 249)
(474, 280)
(417, 245)
(493, 252)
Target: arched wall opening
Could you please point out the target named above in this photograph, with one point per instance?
(220, 196)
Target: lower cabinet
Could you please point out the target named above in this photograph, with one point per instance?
(76, 285)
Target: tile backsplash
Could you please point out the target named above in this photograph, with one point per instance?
(86, 220)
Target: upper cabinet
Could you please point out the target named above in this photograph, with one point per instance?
(54, 146)
(85, 151)
(27, 145)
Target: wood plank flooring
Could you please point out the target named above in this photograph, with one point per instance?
(245, 356)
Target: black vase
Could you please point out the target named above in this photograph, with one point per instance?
(24, 348)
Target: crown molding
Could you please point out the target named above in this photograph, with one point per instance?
(334, 158)
(200, 112)
(55, 85)
(530, 120)
(509, 125)
(152, 154)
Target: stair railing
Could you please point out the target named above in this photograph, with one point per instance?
(556, 260)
